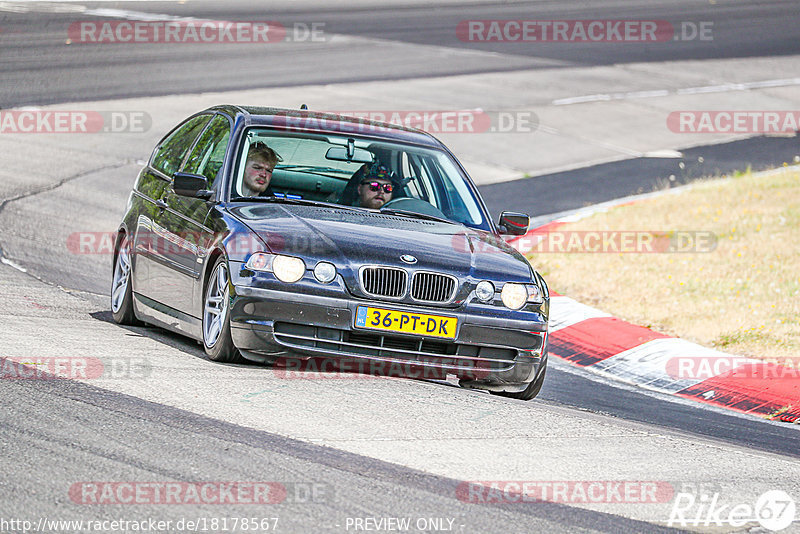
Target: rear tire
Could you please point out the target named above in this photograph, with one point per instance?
(121, 286)
(216, 316)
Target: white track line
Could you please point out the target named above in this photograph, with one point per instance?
(723, 88)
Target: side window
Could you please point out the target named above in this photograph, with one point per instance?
(209, 152)
(170, 153)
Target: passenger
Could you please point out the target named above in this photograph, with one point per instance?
(261, 161)
(375, 188)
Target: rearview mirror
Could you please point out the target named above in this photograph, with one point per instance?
(191, 185)
(339, 153)
(513, 223)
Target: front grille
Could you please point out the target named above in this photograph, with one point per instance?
(388, 282)
(456, 357)
(432, 287)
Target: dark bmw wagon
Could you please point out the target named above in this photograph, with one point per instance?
(276, 235)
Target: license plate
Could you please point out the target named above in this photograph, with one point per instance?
(408, 323)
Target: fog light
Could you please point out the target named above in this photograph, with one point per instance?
(325, 272)
(484, 291)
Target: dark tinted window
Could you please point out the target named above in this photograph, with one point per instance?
(169, 155)
(209, 152)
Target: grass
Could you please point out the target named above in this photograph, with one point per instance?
(743, 297)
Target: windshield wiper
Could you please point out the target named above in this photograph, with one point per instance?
(296, 201)
(415, 215)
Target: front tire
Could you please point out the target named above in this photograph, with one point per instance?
(529, 392)
(121, 286)
(216, 316)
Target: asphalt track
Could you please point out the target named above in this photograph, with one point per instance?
(38, 68)
(82, 432)
(571, 190)
(69, 424)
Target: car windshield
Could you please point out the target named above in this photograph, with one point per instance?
(405, 180)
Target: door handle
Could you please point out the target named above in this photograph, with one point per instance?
(161, 204)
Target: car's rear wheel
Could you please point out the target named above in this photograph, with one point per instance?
(121, 287)
(216, 316)
(529, 392)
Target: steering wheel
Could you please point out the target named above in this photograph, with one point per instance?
(415, 205)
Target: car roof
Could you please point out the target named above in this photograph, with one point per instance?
(314, 121)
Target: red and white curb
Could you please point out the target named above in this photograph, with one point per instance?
(590, 338)
(587, 337)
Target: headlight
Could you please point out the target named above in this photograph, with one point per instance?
(484, 291)
(325, 272)
(286, 268)
(516, 295)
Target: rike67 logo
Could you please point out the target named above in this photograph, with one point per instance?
(773, 510)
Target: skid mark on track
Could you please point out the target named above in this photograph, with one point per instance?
(59, 183)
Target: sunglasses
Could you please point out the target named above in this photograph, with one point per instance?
(376, 186)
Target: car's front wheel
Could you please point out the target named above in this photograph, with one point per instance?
(121, 286)
(529, 392)
(216, 316)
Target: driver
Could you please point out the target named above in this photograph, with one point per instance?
(375, 188)
(261, 161)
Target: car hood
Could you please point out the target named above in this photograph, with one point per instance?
(351, 239)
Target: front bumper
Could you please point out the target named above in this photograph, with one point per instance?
(488, 352)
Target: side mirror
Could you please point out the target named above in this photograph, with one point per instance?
(191, 185)
(513, 223)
